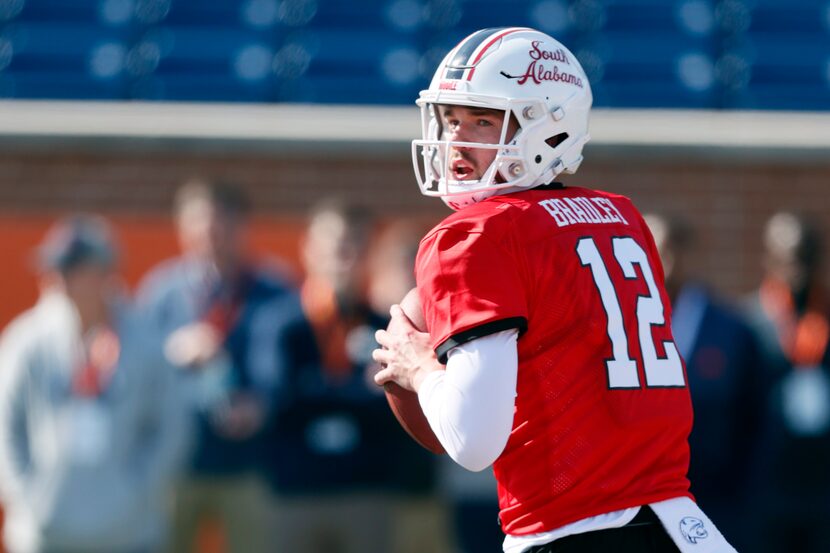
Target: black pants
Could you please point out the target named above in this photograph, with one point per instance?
(644, 534)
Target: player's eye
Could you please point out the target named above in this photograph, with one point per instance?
(485, 123)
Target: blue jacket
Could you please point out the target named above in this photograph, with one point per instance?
(339, 434)
(723, 366)
(267, 341)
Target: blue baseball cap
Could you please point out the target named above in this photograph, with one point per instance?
(74, 241)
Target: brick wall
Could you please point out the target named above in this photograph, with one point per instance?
(728, 200)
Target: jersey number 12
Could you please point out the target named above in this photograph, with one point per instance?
(622, 369)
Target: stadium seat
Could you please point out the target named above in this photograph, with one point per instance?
(677, 72)
(223, 13)
(756, 54)
(682, 16)
(783, 70)
(39, 85)
(57, 11)
(204, 63)
(51, 60)
(802, 16)
(341, 50)
(345, 90)
(350, 16)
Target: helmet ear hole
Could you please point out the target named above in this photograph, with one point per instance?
(556, 140)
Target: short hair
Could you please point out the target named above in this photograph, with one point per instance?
(788, 232)
(226, 196)
(679, 234)
(75, 241)
(358, 219)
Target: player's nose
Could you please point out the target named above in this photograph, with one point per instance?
(459, 132)
(461, 135)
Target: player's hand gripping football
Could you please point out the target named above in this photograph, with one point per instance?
(405, 355)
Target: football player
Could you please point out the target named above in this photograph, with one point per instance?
(549, 353)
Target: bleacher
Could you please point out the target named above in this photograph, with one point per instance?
(733, 54)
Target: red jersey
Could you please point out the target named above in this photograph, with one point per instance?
(602, 411)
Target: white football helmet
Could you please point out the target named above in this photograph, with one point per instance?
(528, 75)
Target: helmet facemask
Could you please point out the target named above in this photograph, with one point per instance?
(510, 170)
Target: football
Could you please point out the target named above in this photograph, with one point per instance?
(404, 403)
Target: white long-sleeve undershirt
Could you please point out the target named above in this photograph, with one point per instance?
(470, 405)
(470, 408)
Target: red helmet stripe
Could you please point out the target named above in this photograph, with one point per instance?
(489, 44)
(464, 51)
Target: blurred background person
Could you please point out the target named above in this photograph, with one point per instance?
(391, 264)
(150, 92)
(790, 312)
(423, 520)
(474, 507)
(91, 428)
(233, 329)
(725, 380)
(343, 462)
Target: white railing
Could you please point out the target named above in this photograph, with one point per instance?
(797, 135)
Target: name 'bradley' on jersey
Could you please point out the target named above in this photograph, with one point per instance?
(570, 211)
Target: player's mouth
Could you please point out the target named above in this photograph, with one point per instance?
(462, 169)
